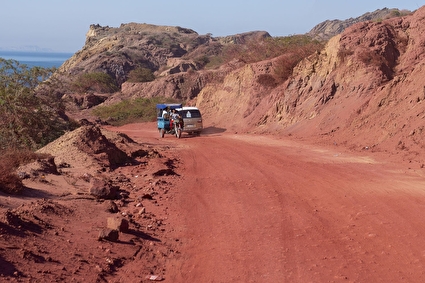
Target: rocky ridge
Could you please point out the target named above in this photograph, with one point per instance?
(169, 52)
(329, 28)
(176, 55)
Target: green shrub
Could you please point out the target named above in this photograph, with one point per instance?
(202, 60)
(131, 111)
(214, 62)
(140, 75)
(96, 81)
(29, 107)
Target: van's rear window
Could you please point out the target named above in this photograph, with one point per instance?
(190, 113)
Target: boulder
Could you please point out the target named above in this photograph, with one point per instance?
(117, 223)
(102, 189)
(108, 235)
(111, 206)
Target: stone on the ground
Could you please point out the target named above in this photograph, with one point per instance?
(102, 189)
(111, 206)
(108, 235)
(117, 223)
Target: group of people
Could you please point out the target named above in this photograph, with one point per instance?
(171, 114)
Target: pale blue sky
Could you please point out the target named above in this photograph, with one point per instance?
(62, 25)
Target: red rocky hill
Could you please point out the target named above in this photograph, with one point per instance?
(364, 90)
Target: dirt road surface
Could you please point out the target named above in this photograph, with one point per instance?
(252, 208)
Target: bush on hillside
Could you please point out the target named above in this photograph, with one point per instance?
(343, 53)
(140, 75)
(267, 80)
(31, 115)
(202, 60)
(271, 47)
(214, 62)
(96, 81)
(296, 47)
(130, 111)
(29, 107)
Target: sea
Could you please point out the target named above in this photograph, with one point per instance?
(37, 59)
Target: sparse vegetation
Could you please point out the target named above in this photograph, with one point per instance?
(29, 117)
(297, 47)
(398, 13)
(202, 60)
(370, 58)
(395, 13)
(131, 111)
(343, 53)
(267, 80)
(254, 51)
(141, 75)
(96, 81)
(214, 62)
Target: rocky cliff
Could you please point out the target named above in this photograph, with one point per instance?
(116, 51)
(169, 52)
(329, 28)
(364, 90)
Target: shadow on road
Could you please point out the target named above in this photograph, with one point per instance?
(142, 235)
(212, 131)
(6, 268)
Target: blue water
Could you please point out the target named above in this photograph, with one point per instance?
(37, 59)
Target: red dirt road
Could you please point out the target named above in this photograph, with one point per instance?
(260, 209)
